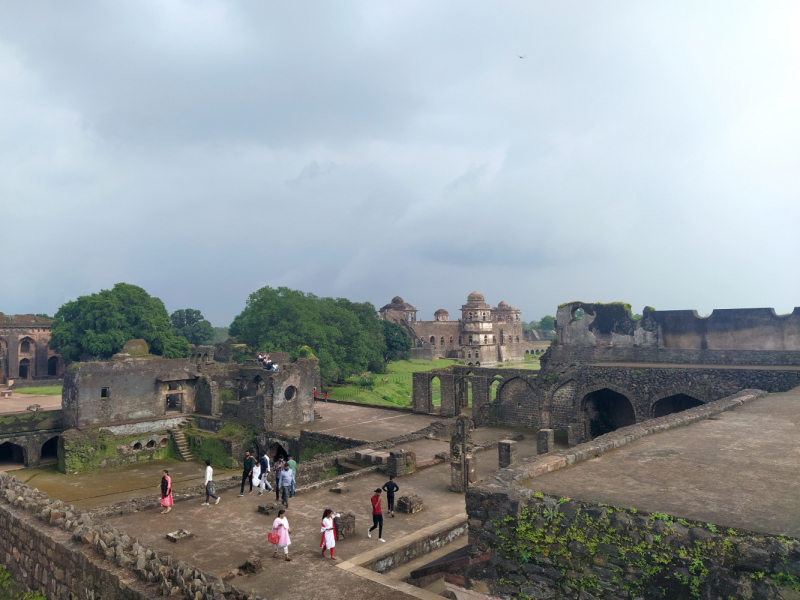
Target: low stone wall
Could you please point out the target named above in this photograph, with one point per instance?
(40, 382)
(535, 546)
(81, 451)
(326, 438)
(24, 422)
(51, 547)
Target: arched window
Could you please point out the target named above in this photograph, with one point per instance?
(469, 316)
(476, 354)
(486, 339)
(433, 341)
(469, 354)
(484, 316)
(441, 342)
(470, 340)
(459, 340)
(518, 339)
(451, 340)
(25, 346)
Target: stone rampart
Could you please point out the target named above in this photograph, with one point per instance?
(51, 547)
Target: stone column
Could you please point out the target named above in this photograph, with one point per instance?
(573, 435)
(462, 473)
(545, 441)
(396, 464)
(506, 453)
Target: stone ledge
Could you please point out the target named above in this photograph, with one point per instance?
(536, 466)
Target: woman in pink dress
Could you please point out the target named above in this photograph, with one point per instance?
(281, 527)
(166, 492)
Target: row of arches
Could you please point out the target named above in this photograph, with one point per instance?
(14, 455)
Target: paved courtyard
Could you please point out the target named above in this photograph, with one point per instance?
(737, 469)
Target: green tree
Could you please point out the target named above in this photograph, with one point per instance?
(99, 325)
(345, 336)
(190, 324)
(220, 334)
(398, 344)
(547, 323)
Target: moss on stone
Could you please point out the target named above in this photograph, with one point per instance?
(83, 451)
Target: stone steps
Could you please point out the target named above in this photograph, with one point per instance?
(317, 415)
(182, 444)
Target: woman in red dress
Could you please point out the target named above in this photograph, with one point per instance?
(166, 492)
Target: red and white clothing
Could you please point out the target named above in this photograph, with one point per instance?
(328, 532)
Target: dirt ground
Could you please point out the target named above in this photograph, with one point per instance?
(737, 469)
(228, 533)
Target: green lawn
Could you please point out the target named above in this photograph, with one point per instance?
(396, 390)
(47, 390)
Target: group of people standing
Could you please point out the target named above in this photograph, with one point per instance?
(256, 473)
(267, 363)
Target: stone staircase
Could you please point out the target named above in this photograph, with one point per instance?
(183, 445)
(317, 415)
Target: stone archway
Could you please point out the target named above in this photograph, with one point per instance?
(673, 404)
(604, 411)
(12, 456)
(49, 450)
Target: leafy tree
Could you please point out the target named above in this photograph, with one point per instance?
(44, 316)
(345, 336)
(220, 334)
(99, 325)
(190, 324)
(547, 323)
(398, 344)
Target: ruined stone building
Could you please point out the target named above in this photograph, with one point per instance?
(25, 352)
(483, 335)
(607, 370)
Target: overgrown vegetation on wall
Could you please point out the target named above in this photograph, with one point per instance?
(84, 451)
(30, 421)
(10, 589)
(225, 448)
(313, 447)
(567, 547)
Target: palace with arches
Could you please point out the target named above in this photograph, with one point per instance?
(25, 349)
(483, 335)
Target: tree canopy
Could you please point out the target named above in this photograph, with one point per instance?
(98, 325)
(398, 344)
(346, 337)
(190, 324)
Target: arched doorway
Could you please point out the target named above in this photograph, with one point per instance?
(12, 456)
(24, 368)
(52, 366)
(175, 400)
(604, 411)
(49, 453)
(436, 391)
(276, 451)
(673, 404)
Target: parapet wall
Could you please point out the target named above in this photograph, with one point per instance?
(760, 329)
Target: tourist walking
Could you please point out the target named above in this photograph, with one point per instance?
(286, 482)
(166, 492)
(278, 471)
(326, 396)
(280, 534)
(377, 515)
(315, 394)
(293, 466)
(210, 485)
(390, 487)
(256, 475)
(264, 464)
(247, 472)
(328, 532)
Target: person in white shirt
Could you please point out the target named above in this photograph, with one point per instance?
(264, 484)
(210, 484)
(328, 530)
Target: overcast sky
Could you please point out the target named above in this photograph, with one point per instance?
(641, 151)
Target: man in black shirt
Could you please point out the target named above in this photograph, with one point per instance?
(247, 472)
(390, 487)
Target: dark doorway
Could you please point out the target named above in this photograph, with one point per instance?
(276, 451)
(605, 411)
(24, 368)
(50, 450)
(175, 401)
(674, 404)
(52, 366)
(11, 455)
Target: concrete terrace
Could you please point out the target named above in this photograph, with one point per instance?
(737, 469)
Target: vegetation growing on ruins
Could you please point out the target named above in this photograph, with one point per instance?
(220, 447)
(92, 449)
(313, 447)
(98, 325)
(190, 324)
(398, 344)
(10, 589)
(644, 553)
(220, 334)
(347, 337)
(47, 390)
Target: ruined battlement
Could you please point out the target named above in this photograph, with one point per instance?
(746, 329)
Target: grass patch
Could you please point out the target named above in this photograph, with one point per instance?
(227, 395)
(46, 390)
(10, 588)
(395, 391)
(313, 447)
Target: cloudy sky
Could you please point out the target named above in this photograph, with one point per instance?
(641, 151)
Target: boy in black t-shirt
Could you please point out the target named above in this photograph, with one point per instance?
(390, 487)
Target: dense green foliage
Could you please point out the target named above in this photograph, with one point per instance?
(190, 324)
(44, 316)
(220, 334)
(99, 325)
(346, 337)
(398, 344)
(546, 323)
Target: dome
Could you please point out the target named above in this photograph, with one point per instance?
(440, 312)
(503, 304)
(475, 297)
(397, 300)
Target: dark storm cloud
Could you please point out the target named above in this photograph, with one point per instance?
(204, 149)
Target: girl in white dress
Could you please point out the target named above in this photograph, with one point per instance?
(328, 532)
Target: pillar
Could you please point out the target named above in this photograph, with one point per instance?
(506, 453)
(545, 441)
